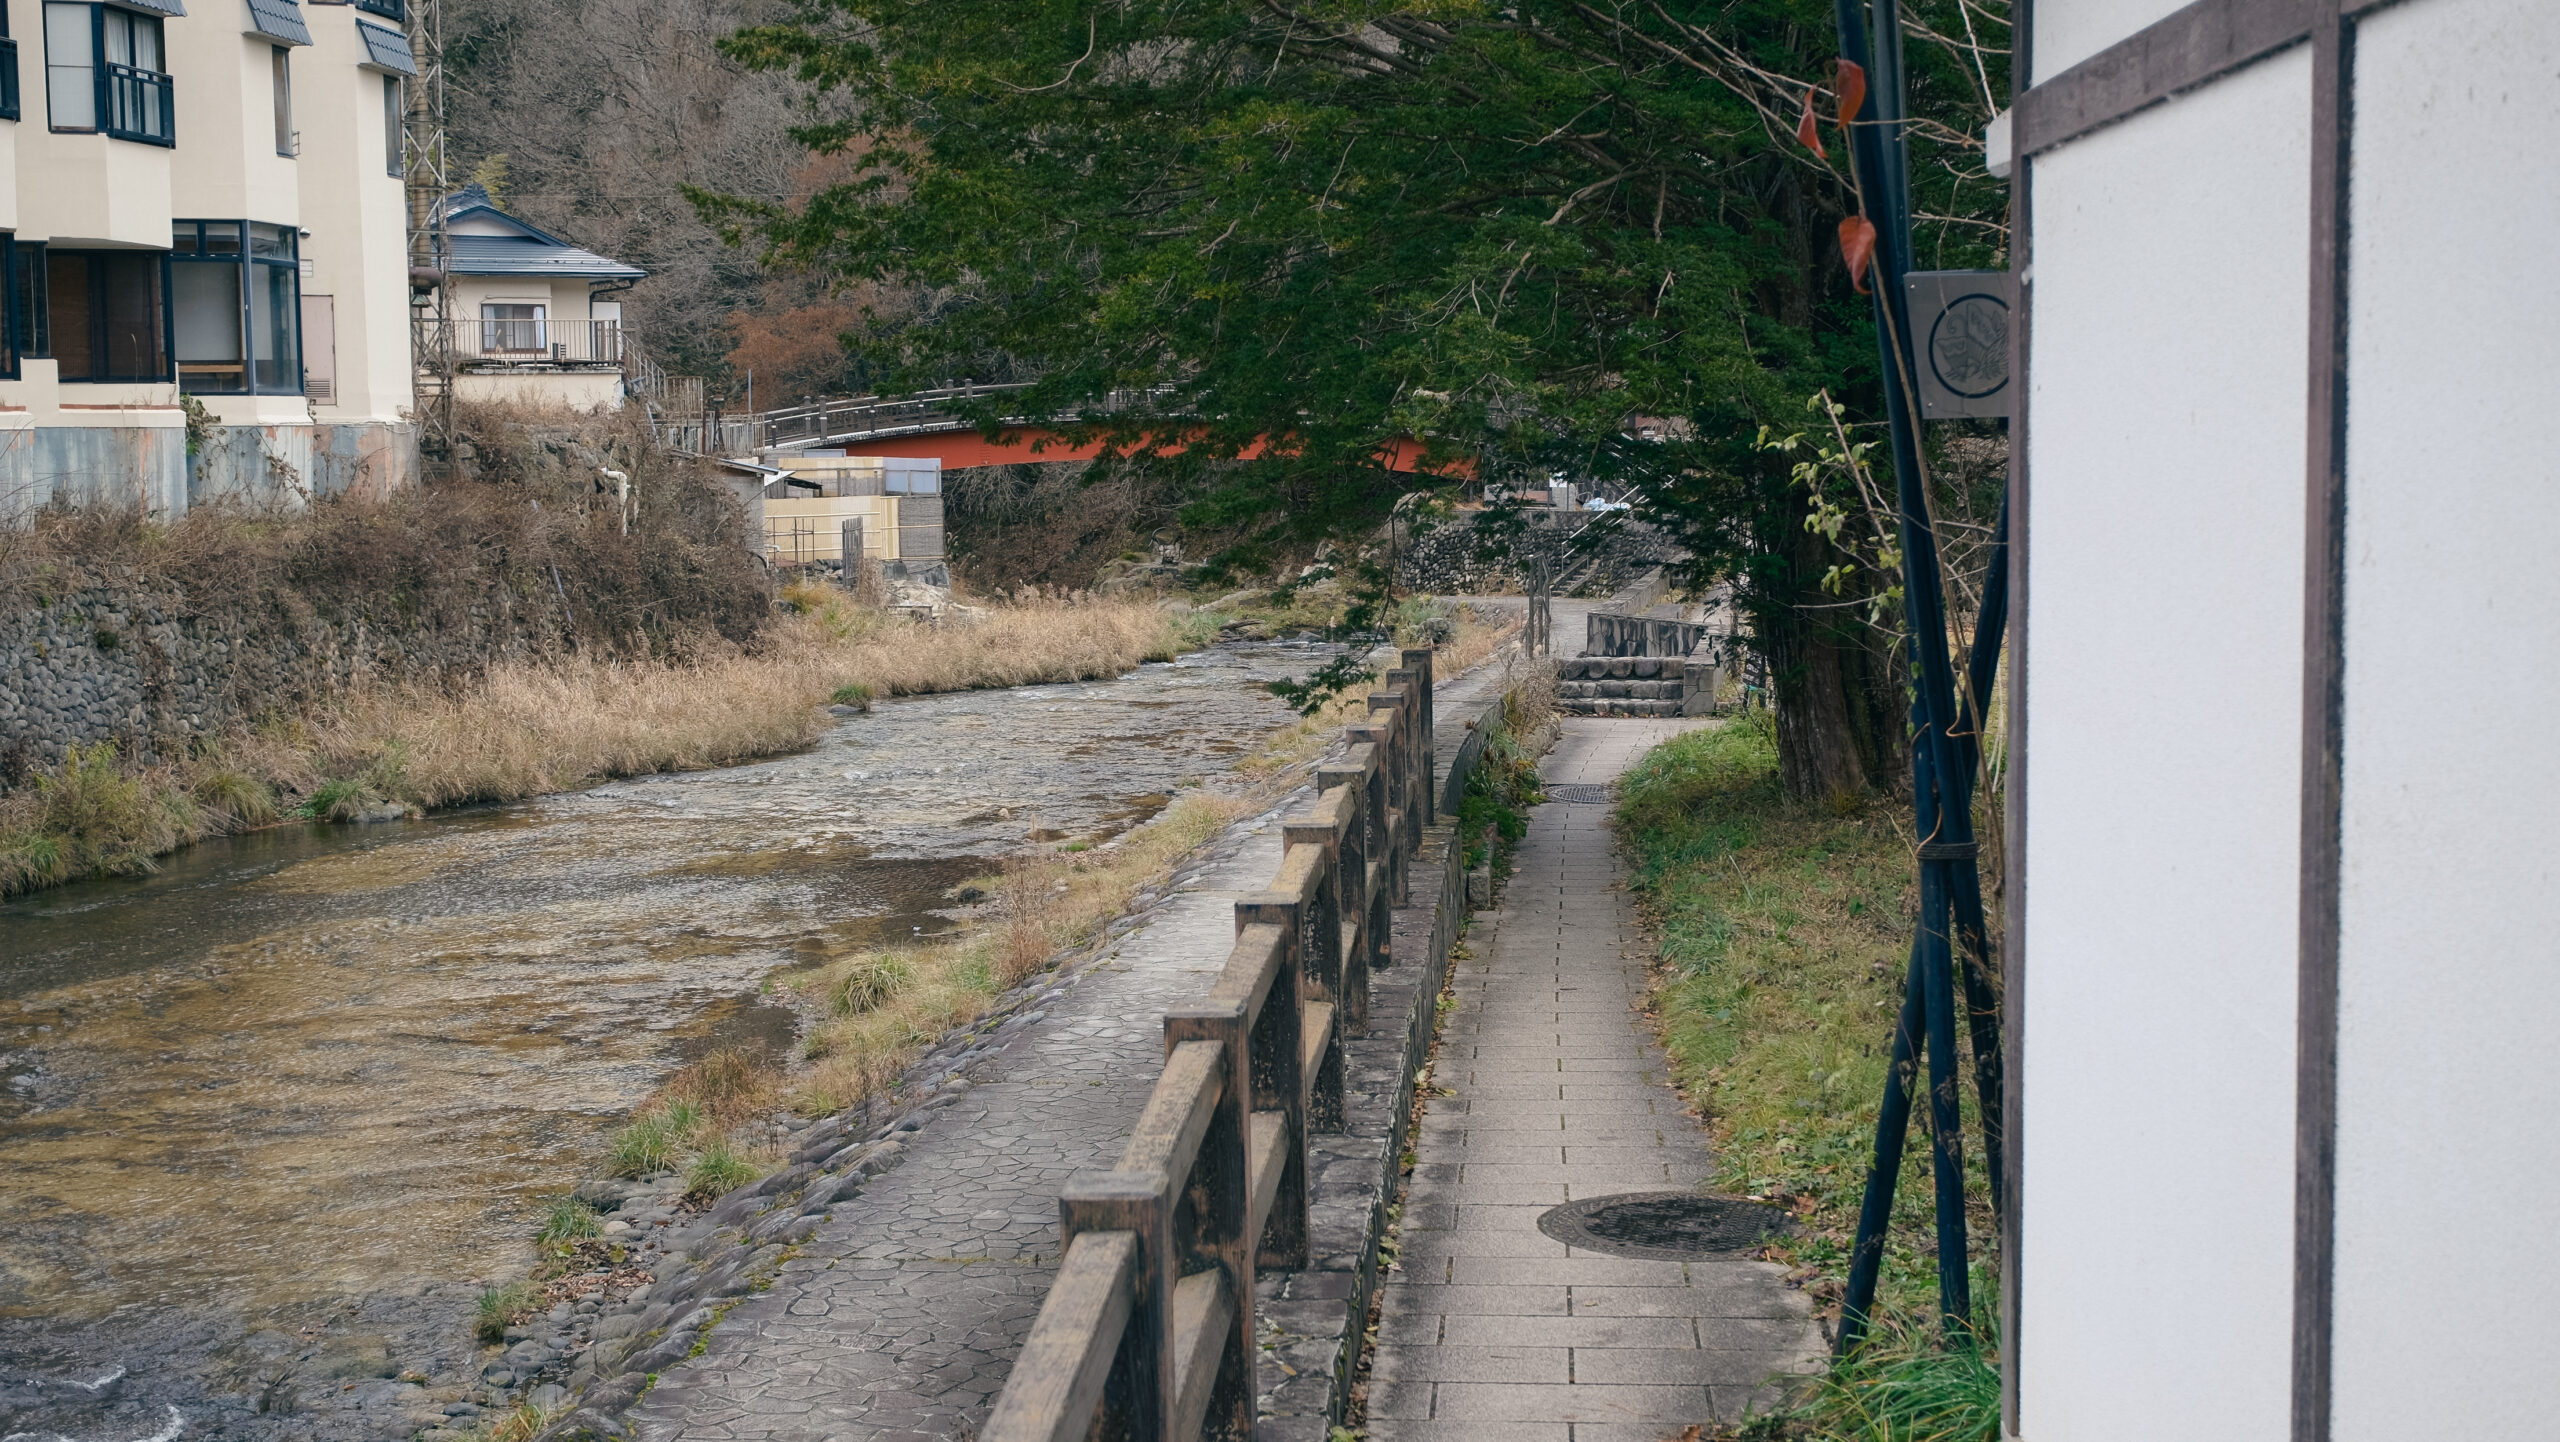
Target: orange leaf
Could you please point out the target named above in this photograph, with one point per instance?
(1808, 130)
(1849, 82)
(1858, 248)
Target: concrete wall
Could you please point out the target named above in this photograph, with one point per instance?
(2164, 661)
(2449, 995)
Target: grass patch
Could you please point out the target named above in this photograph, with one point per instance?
(568, 1220)
(1782, 933)
(720, 1169)
(852, 693)
(654, 1140)
(499, 1308)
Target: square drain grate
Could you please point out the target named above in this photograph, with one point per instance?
(1575, 793)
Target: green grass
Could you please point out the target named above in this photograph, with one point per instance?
(1782, 929)
(652, 1141)
(568, 1220)
(340, 800)
(1904, 1385)
(499, 1307)
(719, 1169)
(852, 693)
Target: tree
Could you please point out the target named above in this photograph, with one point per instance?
(1256, 241)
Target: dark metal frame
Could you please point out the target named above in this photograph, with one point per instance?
(1952, 940)
(248, 264)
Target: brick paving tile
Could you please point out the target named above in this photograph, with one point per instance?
(1492, 1330)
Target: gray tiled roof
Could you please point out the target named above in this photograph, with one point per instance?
(524, 255)
(386, 49)
(153, 7)
(278, 20)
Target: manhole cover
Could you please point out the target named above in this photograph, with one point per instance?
(1663, 1226)
(1574, 793)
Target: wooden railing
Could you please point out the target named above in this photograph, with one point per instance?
(1148, 1334)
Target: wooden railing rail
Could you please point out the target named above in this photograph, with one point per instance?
(1147, 1334)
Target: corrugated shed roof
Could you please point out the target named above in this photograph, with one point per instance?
(386, 49)
(278, 20)
(523, 255)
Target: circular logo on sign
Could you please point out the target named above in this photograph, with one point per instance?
(1969, 345)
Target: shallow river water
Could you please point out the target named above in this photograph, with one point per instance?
(305, 1071)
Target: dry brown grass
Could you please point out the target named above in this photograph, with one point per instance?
(524, 728)
(883, 1008)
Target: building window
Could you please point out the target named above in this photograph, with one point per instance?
(235, 289)
(513, 328)
(30, 329)
(105, 70)
(392, 113)
(283, 62)
(109, 312)
(8, 305)
(8, 70)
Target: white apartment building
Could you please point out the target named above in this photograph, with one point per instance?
(202, 203)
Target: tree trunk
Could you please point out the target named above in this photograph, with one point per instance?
(1842, 704)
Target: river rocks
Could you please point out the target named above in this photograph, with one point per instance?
(528, 1355)
(786, 1180)
(349, 1357)
(606, 1193)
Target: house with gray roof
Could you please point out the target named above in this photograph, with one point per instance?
(535, 317)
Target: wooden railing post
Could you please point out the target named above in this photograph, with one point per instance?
(1366, 946)
(1137, 1402)
(1417, 659)
(1279, 1083)
(1342, 976)
(1219, 1192)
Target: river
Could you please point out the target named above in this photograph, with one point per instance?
(309, 1083)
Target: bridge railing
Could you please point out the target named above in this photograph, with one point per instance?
(1148, 1331)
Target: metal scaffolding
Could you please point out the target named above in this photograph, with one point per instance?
(425, 163)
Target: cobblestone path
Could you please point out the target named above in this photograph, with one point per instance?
(1492, 1331)
(898, 1321)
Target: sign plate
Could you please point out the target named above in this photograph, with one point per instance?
(1960, 330)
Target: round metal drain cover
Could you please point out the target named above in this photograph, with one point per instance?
(1575, 793)
(1663, 1226)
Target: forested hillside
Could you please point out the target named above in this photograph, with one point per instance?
(590, 117)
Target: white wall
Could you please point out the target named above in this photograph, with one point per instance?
(2164, 673)
(2449, 949)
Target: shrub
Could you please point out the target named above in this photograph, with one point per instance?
(340, 800)
(568, 1220)
(236, 798)
(499, 1308)
(718, 1170)
(725, 1086)
(868, 983)
(648, 1143)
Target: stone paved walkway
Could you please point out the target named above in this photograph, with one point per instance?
(899, 1320)
(1493, 1332)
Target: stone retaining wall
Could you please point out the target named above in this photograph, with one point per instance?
(1640, 685)
(149, 668)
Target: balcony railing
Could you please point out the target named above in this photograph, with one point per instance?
(136, 105)
(8, 78)
(542, 342)
(392, 10)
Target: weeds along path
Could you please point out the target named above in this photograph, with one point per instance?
(264, 1110)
